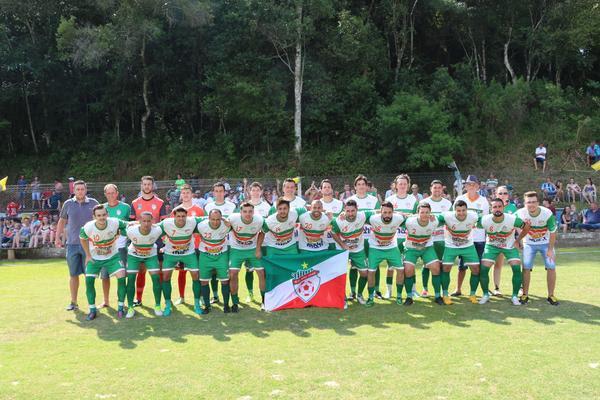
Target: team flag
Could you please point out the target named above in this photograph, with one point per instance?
(306, 280)
(595, 166)
(3, 183)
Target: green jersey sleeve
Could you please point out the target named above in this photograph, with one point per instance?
(377, 205)
(519, 222)
(300, 211)
(551, 224)
(335, 228)
(265, 227)
(441, 220)
(82, 234)
(272, 210)
(368, 215)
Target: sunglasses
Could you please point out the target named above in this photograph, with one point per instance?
(503, 193)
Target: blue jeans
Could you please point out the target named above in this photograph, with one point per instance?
(589, 226)
(529, 252)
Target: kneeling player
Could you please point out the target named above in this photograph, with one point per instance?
(500, 239)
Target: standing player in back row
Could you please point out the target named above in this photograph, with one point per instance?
(330, 205)
(289, 188)
(365, 202)
(148, 201)
(406, 204)
(540, 239)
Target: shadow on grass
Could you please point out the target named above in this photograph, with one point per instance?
(250, 320)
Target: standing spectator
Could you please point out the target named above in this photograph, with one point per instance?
(12, 209)
(23, 235)
(74, 213)
(568, 220)
(22, 187)
(391, 190)
(36, 194)
(589, 191)
(540, 157)
(173, 196)
(591, 153)
(573, 189)
(491, 184)
(311, 193)
(560, 192)
(516, 201)
(415, 192)
(71, 186)
(198, 200)
(482, 191)
(548, 188)
(179, 182)
(54, 202)
(347, 193)
(591, 218)
(549, 205)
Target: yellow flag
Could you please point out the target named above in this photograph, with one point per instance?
(296, 179)
(3, 183)
(595, 166)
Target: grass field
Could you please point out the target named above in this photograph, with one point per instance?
(463, 351)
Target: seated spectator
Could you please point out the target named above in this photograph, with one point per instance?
(589, 191)
(590, 152)
(491, 184)
(591, 218)
(548, 204)
(43, 236)
(549, 189)
(560, 193)
(540, 157)
(597, 151)
(8, 232)
(568, 220)
(23, 234)
(573, 190)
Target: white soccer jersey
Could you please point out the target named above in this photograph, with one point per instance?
(280, 234)
(243, 235)
(351, 232)
(419, 236)
(367, 203)
(103, 242)
(482, 207)
(542, 225)
(438, 207)
(213, 241)
(298, 202)
(143, 246)
(227, 208)
(501, 234)
(263, 208)
(335, 207)
(406, 205)
(459, 234)
(383, 235)
(178, 241)
(313, 233)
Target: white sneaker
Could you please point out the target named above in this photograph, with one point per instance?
(484, 299)
(179, 301)
(387, 295)
(158, 312)
(415, 294)
(497, 292)
(361, 299)
(515, 301)
(130, 312)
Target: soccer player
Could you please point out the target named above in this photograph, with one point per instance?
(179, 248)
(540, 239)
(365, 202)
(419, 244)
(148, 201)
(330, 205)
(102, 233)
(116, 209)
(246, 227)
(194, 211)
(500, 239)
(214, 257)
(439, 205)
(407, 205)
(278, 228)
(227, 208)
(383, 246)
(289, 188)
(458, 235)
(347, 229)
(509, 208)
(481, 206)
(142, 250)
(313, 228)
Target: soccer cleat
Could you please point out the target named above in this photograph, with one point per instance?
(351, 297)
(226, 309)
(157, 311)
(179, 301)
(387, 295)
(424, 293)
(484, 299)
(167, 311)
(369, 303)
(214, 300)
(524, 299)
(91, 316)
(515, 301)
(235, 308)
(198, 310)
(415, 294)
(120, 314)
(250, 297)
(262, 307)
(378, 295)
(205, 310)
(361, 299)
(552, 300)
(399, 301)
(439, 301)
(456, 293)
(473, 299)
(137, 303)
(72, 307)
(447, 300)
(409, 301)
(497, 292)
(130, 313)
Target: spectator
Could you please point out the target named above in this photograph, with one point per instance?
(23, 235)
(346, 193)
(568, 221)
(591, 153)
(173, 196)
(43, 236)
(268, 195)
(560, 192)
(549, 205)
(597, 151)
(35, 222)
(573, 189)
(198, 200)
(179, 182)
(71, 186)
(491, 185)
(540, 157)
(509, 187)
(54, 202)
(391, 190)
(22, 187)
(311, 193)
(12, 209)
(516, 201)
(415, 192)
(9, 231)
(482, 191)
(589, 191)
(591, 218)
(548, 188)
(575, 216)
(36, 194)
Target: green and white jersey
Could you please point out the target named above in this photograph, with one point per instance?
(542, 225)
(312, 234)
(103, 242)
(419, 236)
(280, 234)
(501, 234)
(143, 246)
(406, 205)
(351, 232)
(298, 202)
(510, 208)
(482, 207)
(263, 208)
(227, 208)
(179, 241)
(243, 235)
(383, 235)
(213, 241)
(438, 207)
(120, 211)
(367, 203)
(459, 234)
(335, 207)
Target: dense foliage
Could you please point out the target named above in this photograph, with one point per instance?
(221, 87)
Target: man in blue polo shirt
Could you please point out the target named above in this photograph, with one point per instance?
(591, 218)
(74, 214)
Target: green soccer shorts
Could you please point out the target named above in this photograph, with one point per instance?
(427, 254)
(210, 263)
(112, 265)
(469, 255)
(190, 262)
(492, 252)
(392, 256)
(133, 264)
(237, 257)
(276, 251)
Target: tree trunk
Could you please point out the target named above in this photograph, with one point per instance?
(483, 62)
(506, 60)
(298, 81)
(412, 34)
(145, 85)
(117, 127)
(27, 106)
